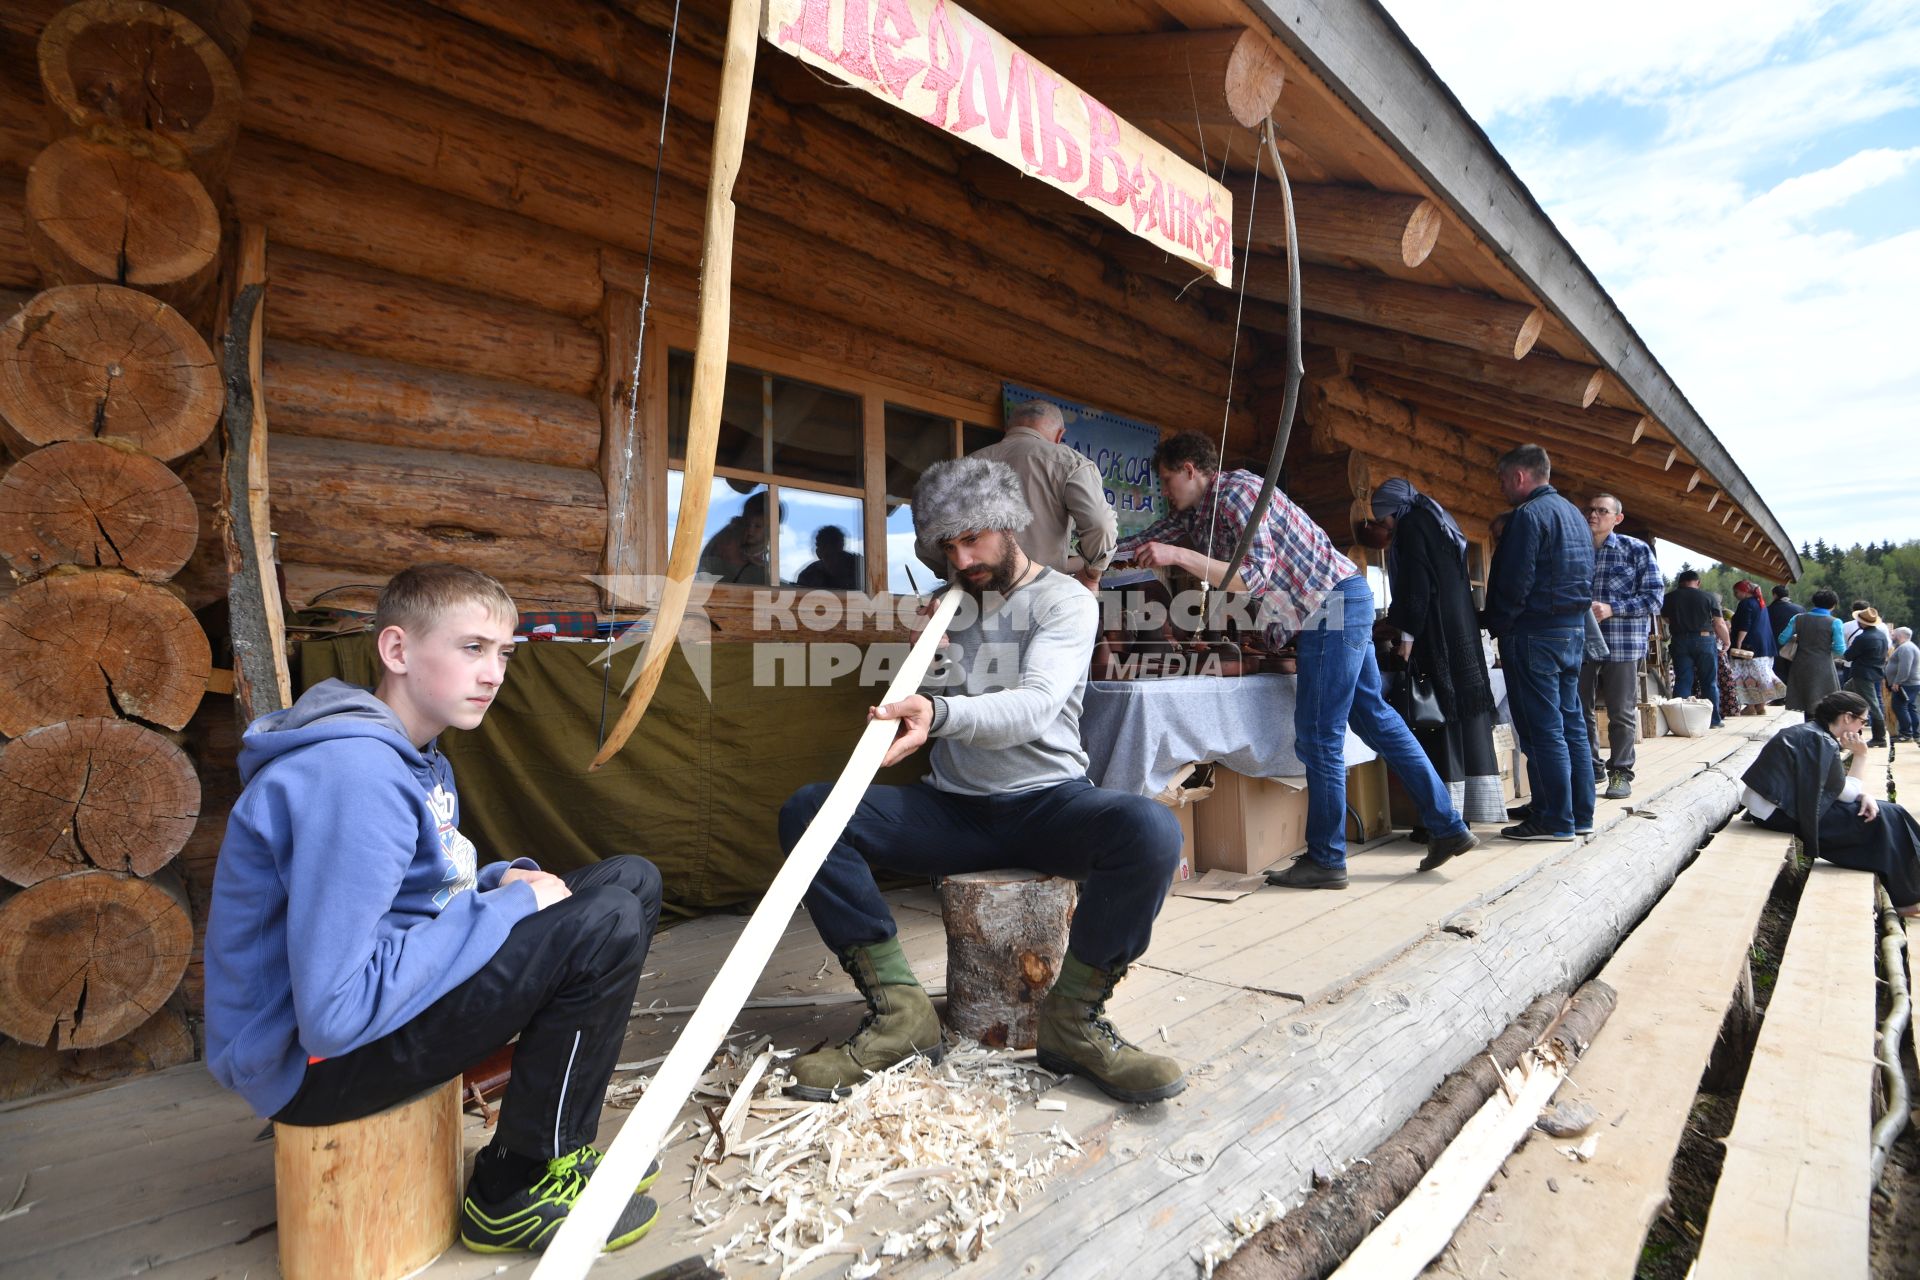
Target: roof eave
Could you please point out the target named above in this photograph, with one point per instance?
(1363, 56)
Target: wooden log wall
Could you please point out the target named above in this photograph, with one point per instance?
(106, 379)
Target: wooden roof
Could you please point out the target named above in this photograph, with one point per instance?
(1361, 109)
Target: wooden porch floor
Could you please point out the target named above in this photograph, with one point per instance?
(167, 1175)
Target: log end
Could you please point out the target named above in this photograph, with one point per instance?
(1422, 233)
(1255, 76)
(1591, 392)
(1529, 332)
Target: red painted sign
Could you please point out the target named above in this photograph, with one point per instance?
(953, 71)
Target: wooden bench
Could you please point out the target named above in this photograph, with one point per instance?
(1794, 1197)
(1676, 975)
(371, 1199)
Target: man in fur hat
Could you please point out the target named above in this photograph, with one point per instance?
(1008, 788)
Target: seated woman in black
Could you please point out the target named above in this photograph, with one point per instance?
(1800, 785)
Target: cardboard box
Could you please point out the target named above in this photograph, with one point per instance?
(1368, 800)
(1248, 824)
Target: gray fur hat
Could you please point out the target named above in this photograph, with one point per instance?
(965, 494)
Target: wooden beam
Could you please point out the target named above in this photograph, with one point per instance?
(1343, 225)
(1693, 481)
(1713, 499)
(262, 682)
(623, 430)
(1229, 76)
(1540, 376)
(1613, 425)
(1476, 321)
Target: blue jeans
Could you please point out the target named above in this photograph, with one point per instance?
(1543, 690)
(1123, 848)
(1696, 661)
(1906, 709)
(1340, 686)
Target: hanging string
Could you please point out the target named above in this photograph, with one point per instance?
(1233, 362)
(633, 377)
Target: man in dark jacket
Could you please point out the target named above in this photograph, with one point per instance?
(1780, 613)
(1690, 614)
(1539, 589)
(1867, 669)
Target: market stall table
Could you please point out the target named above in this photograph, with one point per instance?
(1140, 733)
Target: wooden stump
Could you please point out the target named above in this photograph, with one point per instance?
(131, 65)
(99, 504)
(97, 213)
(371, 1199)
(87, 957)
(83, 361)
(164, 1040)
(1006, 936)
(97, 642)
(102, 792)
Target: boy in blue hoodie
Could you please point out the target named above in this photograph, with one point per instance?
(356, 956)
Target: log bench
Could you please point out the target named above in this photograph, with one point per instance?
(1676, 976)
(1794, 1197)
(371, 1199)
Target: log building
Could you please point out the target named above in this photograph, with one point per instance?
(450, 209)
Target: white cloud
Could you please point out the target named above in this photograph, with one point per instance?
(1727, 232)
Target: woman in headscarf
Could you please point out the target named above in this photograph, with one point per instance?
(1811, 780)
(1431, 604)
(1754, 683)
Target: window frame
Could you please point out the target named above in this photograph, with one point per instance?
(667, 335)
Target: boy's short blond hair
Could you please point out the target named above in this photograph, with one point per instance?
(416, 598)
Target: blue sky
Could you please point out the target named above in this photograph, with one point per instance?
(1743, 177)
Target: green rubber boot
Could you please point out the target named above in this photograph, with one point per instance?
(900, 1022)
(1076, 1039)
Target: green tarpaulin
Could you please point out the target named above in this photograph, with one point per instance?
(697, 789)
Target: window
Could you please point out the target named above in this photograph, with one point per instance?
(811, 482)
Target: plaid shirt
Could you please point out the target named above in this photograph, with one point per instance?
(1626, 577)
(1292, 565)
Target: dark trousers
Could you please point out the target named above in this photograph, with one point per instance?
(1868, 687)
(1617, 684)
(1543, 692)
(1696, 663)
(1906, 706)
(1123, 849)
(563, 982)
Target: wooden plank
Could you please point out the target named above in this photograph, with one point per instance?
(1795, 1194)
(1675, 975)
(1324, 1086)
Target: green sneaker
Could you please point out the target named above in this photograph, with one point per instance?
(900, 1023)
(1076, 1039)
(591, 1156)
(526, 1220)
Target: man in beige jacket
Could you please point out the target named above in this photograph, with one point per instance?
(1063, 488)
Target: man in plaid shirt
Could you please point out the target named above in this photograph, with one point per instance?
(1310, 591)
(1627, 593)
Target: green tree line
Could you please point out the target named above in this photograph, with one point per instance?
(1883, 574)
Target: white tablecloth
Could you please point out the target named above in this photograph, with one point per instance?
(1138, 733)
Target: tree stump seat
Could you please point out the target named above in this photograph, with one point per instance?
(371, 1199)
(1006, 937)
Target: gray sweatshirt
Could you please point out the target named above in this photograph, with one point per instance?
(1006, 718)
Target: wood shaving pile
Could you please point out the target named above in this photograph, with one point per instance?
(934, 1142)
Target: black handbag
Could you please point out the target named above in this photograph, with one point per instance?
(1418, 704)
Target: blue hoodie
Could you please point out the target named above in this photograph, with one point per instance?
(346, 900)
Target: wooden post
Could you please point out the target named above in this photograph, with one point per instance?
(1341, 224)
(371, 1199)
(262, 682)
(1476, 321)
(625, 417)
(709, 368)
(1006, 937)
